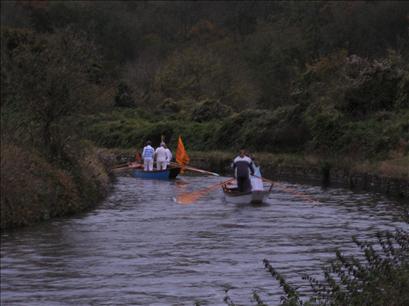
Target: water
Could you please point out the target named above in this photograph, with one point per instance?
(140, 247)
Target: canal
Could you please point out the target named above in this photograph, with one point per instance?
(140, 247)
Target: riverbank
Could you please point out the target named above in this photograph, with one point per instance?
(390, 177)
(34, 189)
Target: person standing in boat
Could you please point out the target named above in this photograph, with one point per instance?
(256, 179)
(147, 155)
(243, 166)
(168, 155)
(161, 157)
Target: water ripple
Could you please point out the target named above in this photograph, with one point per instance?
(139, 247)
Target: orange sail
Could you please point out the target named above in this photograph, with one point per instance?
(181, 155)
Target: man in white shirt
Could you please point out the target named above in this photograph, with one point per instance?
(147, 155)
(168, 155)
(161, 157)
(243, 166)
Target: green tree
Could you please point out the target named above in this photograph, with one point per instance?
(47, 79)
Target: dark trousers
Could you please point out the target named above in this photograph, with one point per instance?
(243, 184)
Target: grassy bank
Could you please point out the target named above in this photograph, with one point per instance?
(393, 168)
(386, 176)
(34, 189)
(220, 161)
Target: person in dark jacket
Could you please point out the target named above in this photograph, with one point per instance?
(243, 166)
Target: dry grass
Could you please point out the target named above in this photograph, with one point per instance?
(394, 168)
(32, 189)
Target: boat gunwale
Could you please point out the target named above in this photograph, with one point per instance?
(170, 173)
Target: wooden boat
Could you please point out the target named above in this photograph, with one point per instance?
(169, 173)
(233, 195)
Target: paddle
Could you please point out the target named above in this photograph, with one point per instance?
(194, 169)
(191, 197)
(121, 167)
(291, 190)
(132, 165)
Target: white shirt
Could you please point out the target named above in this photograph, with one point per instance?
(244, 158)
(160, 154)
(147, 153)
(256, 180)
(168, 155)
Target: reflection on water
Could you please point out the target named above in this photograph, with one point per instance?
(142, 248)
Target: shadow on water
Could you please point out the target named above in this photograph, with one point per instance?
(140, 247)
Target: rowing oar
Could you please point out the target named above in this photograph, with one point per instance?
(191, 197)
(194, 169)
(288, 189)
(123, 166)
(128, 166)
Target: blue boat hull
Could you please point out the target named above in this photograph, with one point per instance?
(167, 174)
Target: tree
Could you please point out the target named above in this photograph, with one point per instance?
(47, 78)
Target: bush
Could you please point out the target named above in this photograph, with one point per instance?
(168, 107)
(210, 110)
(33, 190)
(326, 126)
(284, 129)
(123, 96)
(380, 276)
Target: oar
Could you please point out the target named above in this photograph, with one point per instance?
(291, 190)
(128, 166)
(194, 169)
(120, 165)
(191, 197)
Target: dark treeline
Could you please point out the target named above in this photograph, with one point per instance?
(314, 69)
(245, 53)
(329, 78)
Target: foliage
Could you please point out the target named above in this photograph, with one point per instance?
(269, 76)
(46, 80)
(168, 107)
(196, 73)
(209, 110)
(119, 130)
(33, 189)
(264, 130)
(378, 276)
(123, 96)
(382, 280)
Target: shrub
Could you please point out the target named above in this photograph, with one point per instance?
(380, 276)
(168, 106)
(32, 189)
(123, 96)
(209, 110)
(326, 126)
(283, 129)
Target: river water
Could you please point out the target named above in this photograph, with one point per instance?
(140, 247)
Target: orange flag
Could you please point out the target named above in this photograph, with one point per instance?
(181, 155)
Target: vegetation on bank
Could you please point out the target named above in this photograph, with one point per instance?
(34, 189)
(336, 112)
(46, 169)
(287, 78)
(378, 275)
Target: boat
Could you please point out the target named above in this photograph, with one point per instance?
(234, 196)
(167, 174)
